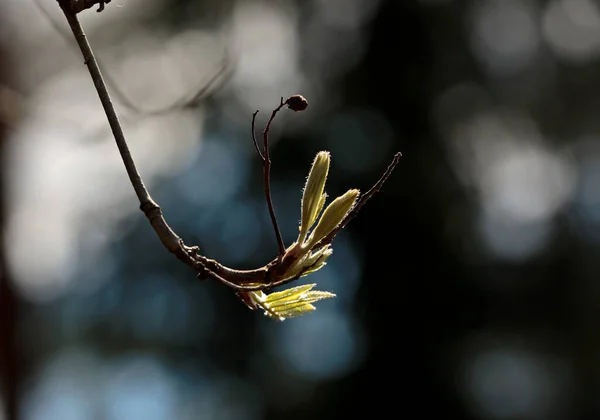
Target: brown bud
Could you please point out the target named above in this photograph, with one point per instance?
(296, 103)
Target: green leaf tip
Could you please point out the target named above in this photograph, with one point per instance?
(313, 197)
(311, 250)
(333, 215)
(291, 302)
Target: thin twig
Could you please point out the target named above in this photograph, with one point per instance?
(148, 206)
(81, 5)
(271, 275)
(254, 137)
(124, 99)
(361, 202)
(267, 179)
(249, 287)
(109, 109)
(223, 73)
(168, 237)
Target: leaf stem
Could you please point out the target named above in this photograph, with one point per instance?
(267, 178)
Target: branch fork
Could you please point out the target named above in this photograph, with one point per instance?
(306, 255)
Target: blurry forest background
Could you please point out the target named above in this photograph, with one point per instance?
(468, 288)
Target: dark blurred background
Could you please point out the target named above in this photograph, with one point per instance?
(468, 288)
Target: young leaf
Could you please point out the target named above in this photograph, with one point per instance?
(291, 302)
(313, 197)
(332, 216)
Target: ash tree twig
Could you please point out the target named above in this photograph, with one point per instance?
(318, 227)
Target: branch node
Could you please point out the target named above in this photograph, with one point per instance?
(77, 6)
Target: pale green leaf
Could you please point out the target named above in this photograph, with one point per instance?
(313, 197)
(332, 216)
(308, 298)
(309, 263)
(296, 311)
(292, 302)
(291, 293)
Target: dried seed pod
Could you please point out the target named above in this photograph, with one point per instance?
(296, 103)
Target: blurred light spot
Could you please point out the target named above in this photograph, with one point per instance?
(572, 29)
(346, 13)
(323, 345)
(434, 2)
(162, 309)
(521, 184)
(223, 398)
(287, 195)
(509, 383)
(527, 184)
(359, 140)
(58, 183)
(504, 35)
(343, 271)
(586, 203)
(155, 69)
(513, 240)
(264, 43)
(334, 51)
(139, 388)
(95, 267)
(458, 103)
(235, 230)
(214, 176)
(67, 388)
(43, 265)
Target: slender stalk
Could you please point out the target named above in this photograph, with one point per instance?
(361, 202)
(267, 180)
(80, 5)
(254, 137)
(109, 109)
(152, 211)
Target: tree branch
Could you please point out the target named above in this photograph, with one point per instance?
(362, 201)
(267, 179)
(274, 273)
(189, 255)
(147, 204)
(77, 6)
(254, 137)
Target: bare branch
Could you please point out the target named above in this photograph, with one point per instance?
(275, 273)
(147, 205)
(81, 5)
(361, 202)
(254, 137)
(221, 74)
(267, 179)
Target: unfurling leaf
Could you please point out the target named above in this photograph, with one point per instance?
(332, 216)
(313, 197)
(309, 262)
(291, 302)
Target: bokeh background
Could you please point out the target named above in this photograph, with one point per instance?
(468, 288)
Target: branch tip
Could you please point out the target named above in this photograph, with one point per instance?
(267, 180)
(77, 6)
(361, 202)
(296, 103)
